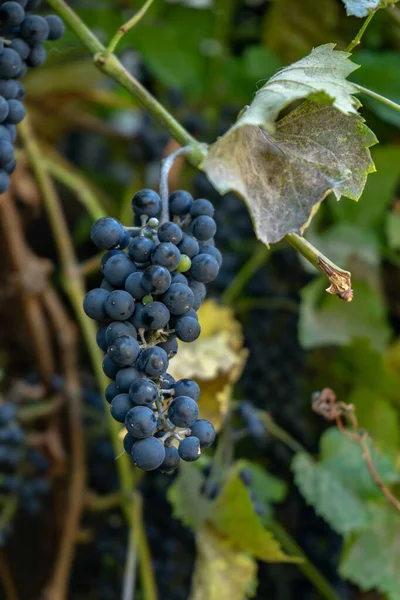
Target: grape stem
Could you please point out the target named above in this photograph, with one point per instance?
(357, 39)
(166, 166)
(128, 26)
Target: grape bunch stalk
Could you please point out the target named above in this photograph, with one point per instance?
(155, 278)
(22, 35)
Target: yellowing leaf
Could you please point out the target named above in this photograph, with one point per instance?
(215, 360)
(222, 572)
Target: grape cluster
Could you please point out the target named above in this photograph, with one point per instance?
(22, 35)
(155, 278)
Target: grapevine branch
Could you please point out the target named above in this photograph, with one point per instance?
(326, 405)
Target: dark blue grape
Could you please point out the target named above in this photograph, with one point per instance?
(170, 346)
(23, 50)
(6, 152)
(120, 406)
(94, 304)
(246, 476)
(117, 328)
(187, 387)
(180, 202)
(213, 251)
(169, 232)
(156, 279)
(10, 63)
(166, 381)
(137, 317)
(118, 268)
(179, 278)
(183, 411)
(34, 29)
(187, 329)
(189, 246)
(140, 249)
(124, 351)
(203, 228)
(110, 368)
(202, 207)
(125, 377)
(204, 268)
(37, 56)
(108, 255)
(119, 305)
(141, 422)
(146, 202)
(112, 390)
(11, 14)
(101, 338)
(4, 134)
(189, 449)
(8, 412)
(10, 166)
(9, 87)
(4, 182)
(153, 362)
(22, 71)
(167, 255)
(16, 112)
(155, 315)
(12, 131)
(56, 27)
(3, 109)
(107, 233)
(171, 460)
(178, 298)
(133, 285)
(148, 454)
(128, 442)
(105, 285)
(143, 392)
(175, 318)
(204, 431)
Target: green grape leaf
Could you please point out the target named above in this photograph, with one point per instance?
(188, 504)
(221, 571)
(361, 8)
(282, 170)
(331, 499)
(233, 516)
(371, 559)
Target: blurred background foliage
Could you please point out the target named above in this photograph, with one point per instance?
(271, 334)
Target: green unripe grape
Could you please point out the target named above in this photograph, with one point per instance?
(184, 264)
(147, 299)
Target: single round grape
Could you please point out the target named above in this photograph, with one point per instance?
(170, 232)
(137, 317)
(166, 381)
(204, 431)
(56, 27)
(156, 279)
(119, 305)
(22, 48)
(4, 135)
(10, 63)
(12, 130)
(187, 387)
(146, 202)
(178, 298)
(117, 328)
(171, 460)
(189, 246)
(4, 109)
(140, 249)
(148, 454)
(107, 255)
(124, 350)
(118, 268)
(183, 411)
(37, 56)
(204, 268)
(34, 29)
(203, 228)
(143, 392)
(141, 422)
(170, 346)
(10, 166)
(9, 87)
(155, 315)
(125, 377)
(16, 112)
(107, 233)
(20, 95)
(189, 449)
(11, 14)
(202, 207)
(6, 152)
(180, 202)
(213, 251)
(101, 338)
(128, 442)
(94, 304)
(153, 361)
(111, 391)
(105, 285)
(187, 329)
(167, 255)
(184, 264)
(120, 407)
(179, 277)
(22, 70)
(133, 285)
(110, 368)
(4, 182)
